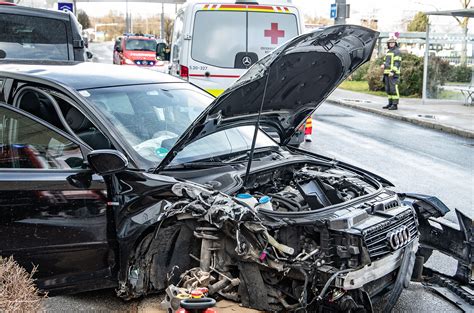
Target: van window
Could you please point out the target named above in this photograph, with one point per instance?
(269, 30)
(218, 36)
(29, 37)
(177, 36)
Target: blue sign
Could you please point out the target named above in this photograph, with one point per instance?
(65, 6)
(333, 10)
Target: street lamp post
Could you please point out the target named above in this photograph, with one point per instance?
(162, 25)
(425, 64)
(127, 22)
(341, 12)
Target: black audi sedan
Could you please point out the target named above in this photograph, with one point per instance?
(132, 179)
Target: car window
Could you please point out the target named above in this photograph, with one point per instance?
(211, 30)
(266, 31)
(40, 106)
(27, 144)
(221, 143)
(29, 37)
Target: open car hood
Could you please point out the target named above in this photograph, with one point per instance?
(301, 74)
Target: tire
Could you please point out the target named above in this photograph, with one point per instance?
(170, 254)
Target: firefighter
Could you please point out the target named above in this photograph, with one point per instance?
(391, 73)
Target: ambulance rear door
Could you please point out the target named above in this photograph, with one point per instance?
(229, 38)
(269, 27)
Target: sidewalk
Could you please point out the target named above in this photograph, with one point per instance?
(444, 115)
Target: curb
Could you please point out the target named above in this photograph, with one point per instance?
(428, 124)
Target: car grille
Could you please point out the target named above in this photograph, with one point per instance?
(144, 62)
(375, 237)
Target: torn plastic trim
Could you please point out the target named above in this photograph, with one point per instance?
(425, 205)
(456, 243)
(437, 233)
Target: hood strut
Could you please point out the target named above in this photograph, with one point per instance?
(257, 126)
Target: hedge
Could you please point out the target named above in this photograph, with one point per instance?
(411, 78)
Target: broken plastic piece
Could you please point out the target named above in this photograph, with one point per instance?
(283, 248)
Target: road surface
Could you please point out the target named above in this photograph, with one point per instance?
(103, 51)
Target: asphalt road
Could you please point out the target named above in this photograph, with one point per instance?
(103, 51)
(415, 159)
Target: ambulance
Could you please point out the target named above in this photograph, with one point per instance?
(214, 43)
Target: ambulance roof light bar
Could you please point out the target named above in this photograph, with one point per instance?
(246, 2)
(139, 35)
(256, 2)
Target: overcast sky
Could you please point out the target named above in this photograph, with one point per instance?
(390, 17)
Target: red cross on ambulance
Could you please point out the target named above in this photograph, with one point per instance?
(274, 33)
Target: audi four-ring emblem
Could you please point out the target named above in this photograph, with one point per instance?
(398, 237)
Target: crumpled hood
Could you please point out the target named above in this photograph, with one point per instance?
(298, 76)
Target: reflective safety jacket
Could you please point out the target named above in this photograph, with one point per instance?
(392, 61)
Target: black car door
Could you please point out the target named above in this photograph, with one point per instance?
(47, 219)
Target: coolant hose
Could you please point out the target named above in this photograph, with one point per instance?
(326, 286)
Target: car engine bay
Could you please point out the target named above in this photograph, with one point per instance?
(306, 187)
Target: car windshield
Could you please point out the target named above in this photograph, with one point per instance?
(140, 45)
(150, 118)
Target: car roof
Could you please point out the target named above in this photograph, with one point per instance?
(22, 10)
(84, 75)
(139, 37)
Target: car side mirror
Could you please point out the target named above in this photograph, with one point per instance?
(89, 54)
(107, 161)
(161, 51)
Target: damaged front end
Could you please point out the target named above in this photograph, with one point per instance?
(339, 260)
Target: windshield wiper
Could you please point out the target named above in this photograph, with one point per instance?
(196, 165)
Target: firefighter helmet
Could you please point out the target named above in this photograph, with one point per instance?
(392, 38)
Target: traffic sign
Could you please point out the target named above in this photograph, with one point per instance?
(333, 10)
(66, 6)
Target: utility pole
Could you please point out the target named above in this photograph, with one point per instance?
(342, 12)
(162, 22)
(127, 21)
(424, 94)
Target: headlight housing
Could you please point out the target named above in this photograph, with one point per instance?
(128, 61)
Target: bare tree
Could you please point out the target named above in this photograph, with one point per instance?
(463, 23)
(168, 25)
